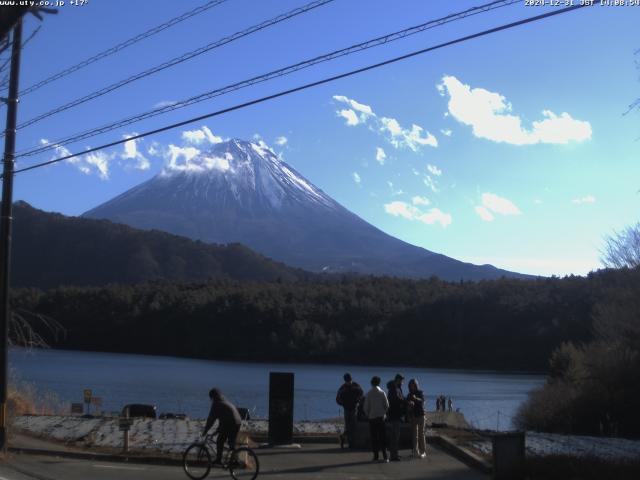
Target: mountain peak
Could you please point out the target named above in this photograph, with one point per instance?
(240, 191)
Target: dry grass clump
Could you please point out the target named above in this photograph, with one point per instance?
(19, 403)
(24, 398)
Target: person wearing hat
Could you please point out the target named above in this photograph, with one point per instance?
(229, 421)
(396, 411)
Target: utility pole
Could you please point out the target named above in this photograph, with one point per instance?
(5, 223)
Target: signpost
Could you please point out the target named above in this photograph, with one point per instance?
(87, 399)
(125, 425)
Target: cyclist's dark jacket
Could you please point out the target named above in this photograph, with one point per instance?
(226, 414)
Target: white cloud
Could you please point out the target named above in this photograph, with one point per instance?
(496, 204)
(180, 159)
(431, 183)
(94, 162)
(380, 155)
(446, 133)
(350, 116)
(155, 149)
(434, 170)
(263, 149)
(586, 199)
(413, 138)
(560, 129)
(365, 110)
(415, 172)
(489, 115)
(400, 137)
(217, 163)
(420, 200)
(131, 152)
(435, 215)
(402, 209)
(484, 213)
(281, 141)
(100, 161)
(191, 159)
(356, 178)
(410, 212)
(197, 137)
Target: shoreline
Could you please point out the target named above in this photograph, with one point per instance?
(479, 370)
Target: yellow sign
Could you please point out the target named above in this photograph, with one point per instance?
(87, 396)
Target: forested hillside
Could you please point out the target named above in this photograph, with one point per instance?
(501, 324)
(51, 249)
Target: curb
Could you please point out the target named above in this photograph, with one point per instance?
(463, 454)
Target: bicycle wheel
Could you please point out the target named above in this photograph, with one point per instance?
(196, 461)
(243, 464)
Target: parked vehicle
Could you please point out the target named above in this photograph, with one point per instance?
(139, 410)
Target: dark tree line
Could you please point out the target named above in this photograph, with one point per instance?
(594, 386)
(500, 324)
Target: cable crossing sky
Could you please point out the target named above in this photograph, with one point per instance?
(312, 84)
(177, 60)
(273, 74)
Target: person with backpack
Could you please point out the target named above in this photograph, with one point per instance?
(348, 397)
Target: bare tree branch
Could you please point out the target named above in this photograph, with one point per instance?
(25, 326)
(622, 249)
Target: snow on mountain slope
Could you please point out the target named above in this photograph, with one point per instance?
(240, 191)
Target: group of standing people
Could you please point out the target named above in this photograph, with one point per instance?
(378, 406)
(443, 404)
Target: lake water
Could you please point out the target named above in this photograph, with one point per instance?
(179, 385)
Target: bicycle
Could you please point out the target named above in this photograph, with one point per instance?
(242, 462)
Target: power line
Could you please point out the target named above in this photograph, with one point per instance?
(309, 85)
(121, 46)
(274, 74)
(177, 60)
(5, 82)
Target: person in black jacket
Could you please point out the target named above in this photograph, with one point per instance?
(348, 397)
(229, 421)
(396, 411)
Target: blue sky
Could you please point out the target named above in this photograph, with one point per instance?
(510, 149)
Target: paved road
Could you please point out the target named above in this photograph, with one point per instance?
(313, 461)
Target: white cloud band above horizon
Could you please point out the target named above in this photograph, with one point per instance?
(358, 113)
(410, 212)
(489, 115)
(493, 204)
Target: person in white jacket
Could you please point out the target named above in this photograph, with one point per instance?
(376, 405)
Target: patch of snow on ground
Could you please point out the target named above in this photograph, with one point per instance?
(542, 444)
(166, 436)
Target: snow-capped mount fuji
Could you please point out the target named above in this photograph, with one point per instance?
(242, 192)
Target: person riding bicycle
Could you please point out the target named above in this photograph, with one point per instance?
(229, 421)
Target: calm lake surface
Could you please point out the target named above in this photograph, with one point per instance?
(179, 385)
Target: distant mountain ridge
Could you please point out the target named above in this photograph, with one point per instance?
(241, 192)
(50, 249)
